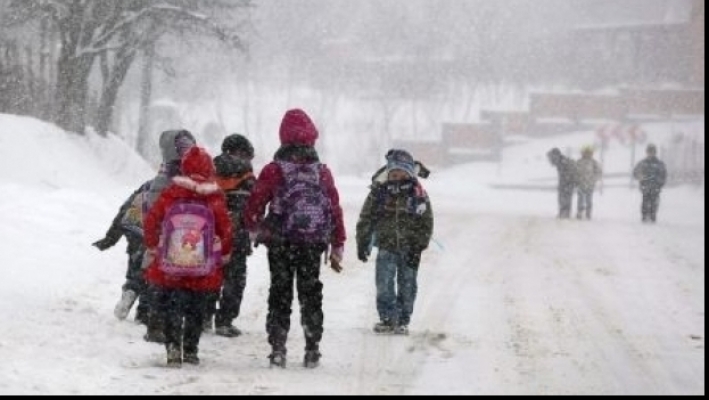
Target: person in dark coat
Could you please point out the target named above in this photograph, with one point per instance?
(173, 145)
(397, 218)
(128, 223)
(589, 172)
(567, 180)
(652, 175)
(236, 178)
(291, 260)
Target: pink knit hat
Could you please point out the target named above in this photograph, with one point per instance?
(298, 128)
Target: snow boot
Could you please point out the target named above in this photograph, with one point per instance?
(208, 324)
(311, 358)
(383, 327)
(401, 330)
(191, 358)
(174, 355)
(278, 358)
(124, 304)
(227, 331)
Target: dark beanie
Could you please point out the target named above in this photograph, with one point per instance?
(237, 143)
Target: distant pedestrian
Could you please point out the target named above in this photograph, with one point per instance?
(566, 168)
(652, 175)
(589, 172)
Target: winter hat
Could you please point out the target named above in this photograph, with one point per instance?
(297, 128)
(400, 159)
(237, 143)
(174, 144)
(197, 164)
(554, 155)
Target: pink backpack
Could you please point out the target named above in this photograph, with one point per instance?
(188, 244)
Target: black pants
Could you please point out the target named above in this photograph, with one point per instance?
(183, 312)
(566, 194)
(231, 294)
(650, 204)
(300, 263)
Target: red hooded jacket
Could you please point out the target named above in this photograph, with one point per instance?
(196, 182)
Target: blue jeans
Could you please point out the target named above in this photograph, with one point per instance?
(396, 287)
(585, 202)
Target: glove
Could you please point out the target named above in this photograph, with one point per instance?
(103, 244)
(253, 238)
(336, 258)
(413, 257)
(362, 253)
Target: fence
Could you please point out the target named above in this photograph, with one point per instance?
(684, 158)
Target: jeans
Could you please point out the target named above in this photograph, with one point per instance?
(585, 202)
(396, 287)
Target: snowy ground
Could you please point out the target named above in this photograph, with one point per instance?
(511, 300)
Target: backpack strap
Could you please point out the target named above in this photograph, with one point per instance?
(233, 182)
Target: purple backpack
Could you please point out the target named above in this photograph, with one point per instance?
(304, 207)
(188, 245)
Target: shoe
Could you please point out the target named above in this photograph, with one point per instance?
(383, 327)
(154, 337)
(141, 318)
(278, 359)
(401, 330)
(174, 356)
(208, 324)
(579, 216)
(227, 331)
(311, 359)
(124, 304)
(190, 358)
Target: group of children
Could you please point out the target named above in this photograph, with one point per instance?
(217, 209)
(583, 174)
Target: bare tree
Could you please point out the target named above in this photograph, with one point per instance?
(114, 31)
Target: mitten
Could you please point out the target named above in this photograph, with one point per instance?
(336, 258)
(253, 238)
(104, 243)
(413, 259)
(362, 253)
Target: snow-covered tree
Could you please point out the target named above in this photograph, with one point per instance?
(114, 32)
